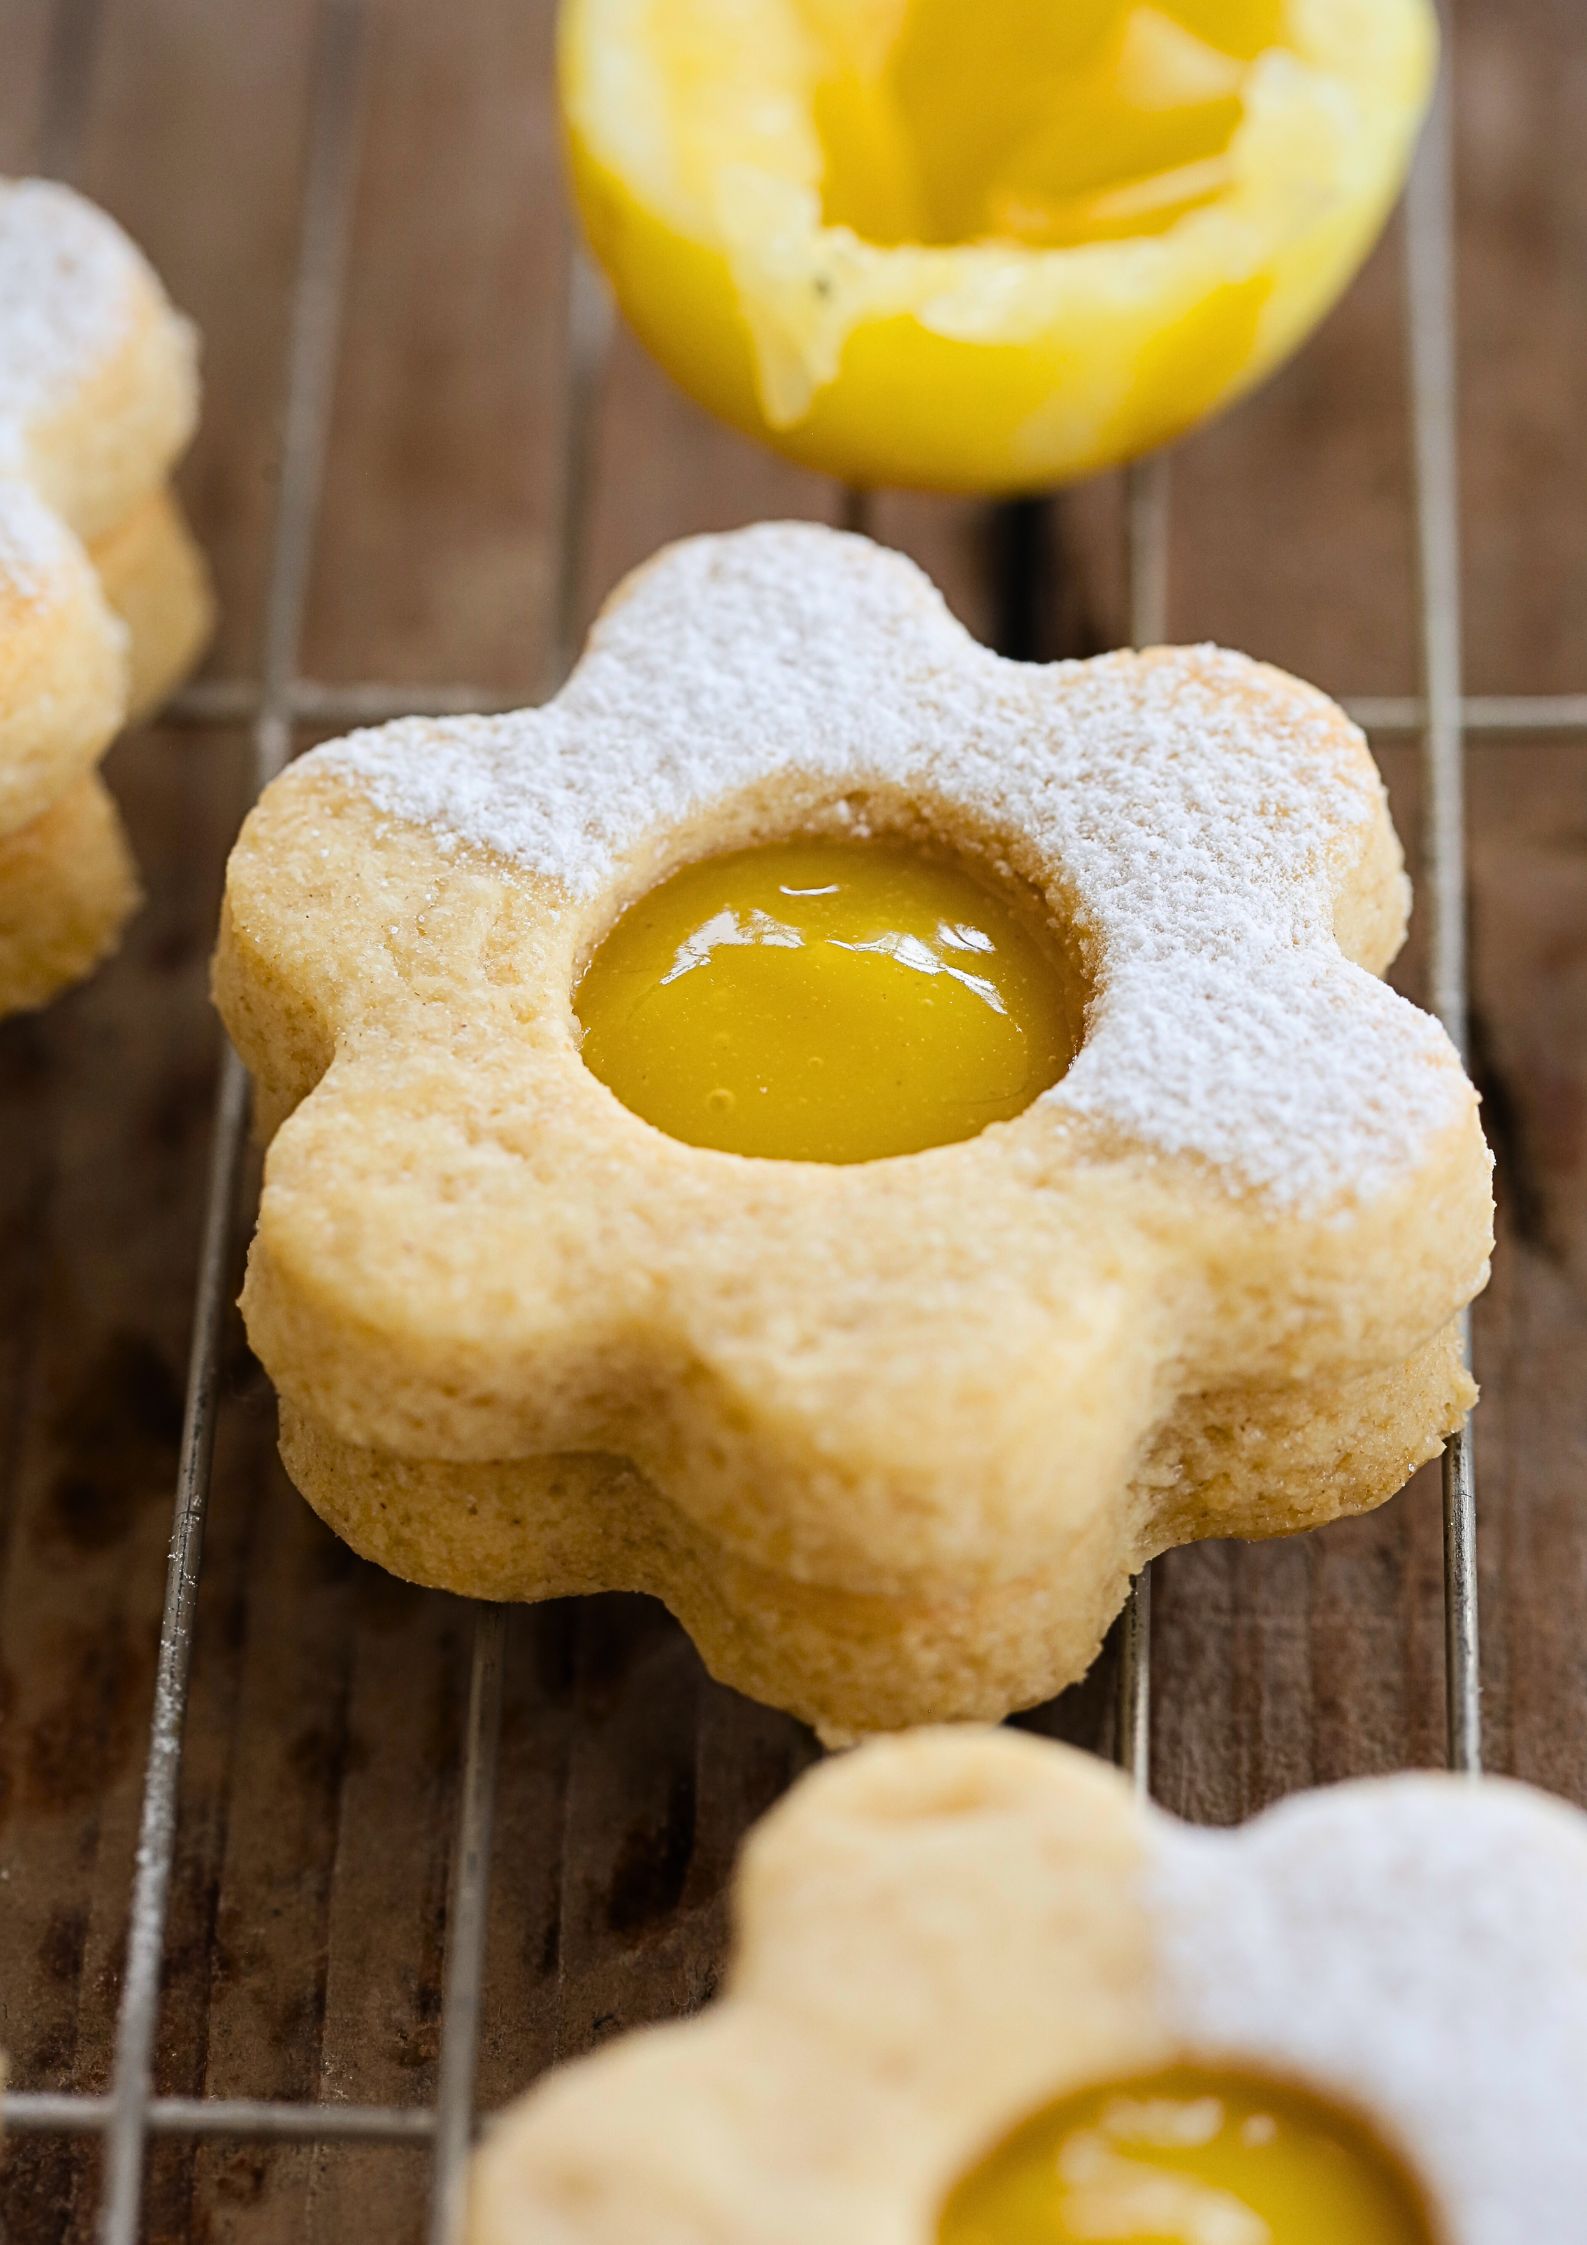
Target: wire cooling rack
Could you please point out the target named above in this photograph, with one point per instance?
(129, 2114)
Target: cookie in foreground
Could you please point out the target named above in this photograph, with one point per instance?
(980, 1996)
(863, 1139)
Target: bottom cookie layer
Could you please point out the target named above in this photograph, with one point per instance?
(1249, 1462)
(67, 888)
(156, 580)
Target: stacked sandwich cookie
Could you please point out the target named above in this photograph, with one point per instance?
(104, 600)
(865, 1140)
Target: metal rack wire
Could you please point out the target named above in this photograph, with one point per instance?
(129, 2115)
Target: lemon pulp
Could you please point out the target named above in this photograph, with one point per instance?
(828, 999)
(990, 247)
(1051, 126)
(1192, 2156)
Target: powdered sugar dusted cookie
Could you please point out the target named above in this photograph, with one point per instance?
(67, 888)
(637, 1225)
(98, 376)
(104, 601)
(98, 399)
(63, 659)
(978, 1994)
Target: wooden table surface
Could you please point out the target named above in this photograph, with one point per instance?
(323, 1746)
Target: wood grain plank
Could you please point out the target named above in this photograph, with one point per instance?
(665, 470)
(1522, 77)
(1291, 534)
(25, 26)
(1529, 823)
(195, 139)
(103, 1128)
(104, 1122)
(436, 555)
(308, 1918)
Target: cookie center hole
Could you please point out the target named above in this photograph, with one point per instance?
(829, 999)
(1192, 2156)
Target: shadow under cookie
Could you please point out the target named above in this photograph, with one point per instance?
(1249, 1462)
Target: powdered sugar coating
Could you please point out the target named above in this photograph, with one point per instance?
(1193, 807)
(35, 546)
(1418, 1947)
(69, 281)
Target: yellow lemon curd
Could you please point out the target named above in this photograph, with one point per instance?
(988, 247)
(830, 999)
(1193, 2156)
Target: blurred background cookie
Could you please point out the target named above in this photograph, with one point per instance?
(105, 601)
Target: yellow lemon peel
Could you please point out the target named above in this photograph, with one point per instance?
(906, 254)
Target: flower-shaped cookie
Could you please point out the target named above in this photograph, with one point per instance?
(890, 1438)
(940, 1935)
(98, 376)
(104, 601)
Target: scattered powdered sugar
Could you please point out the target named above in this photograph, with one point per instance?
(68, 281)
(1418, 1947)
(34, 544)
(1189, 806)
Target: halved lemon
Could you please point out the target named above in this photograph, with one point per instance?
(983, 245)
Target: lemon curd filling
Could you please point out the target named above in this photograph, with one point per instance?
(829, 1000)
(1193, 2156)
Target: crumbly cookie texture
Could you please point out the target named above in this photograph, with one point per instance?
(63, 660)
(938, 1934)
(156, 580)
(104, 600)
(890, 1438)
(67, 889)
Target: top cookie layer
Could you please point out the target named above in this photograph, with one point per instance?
(98, 379)
(1200, 818)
